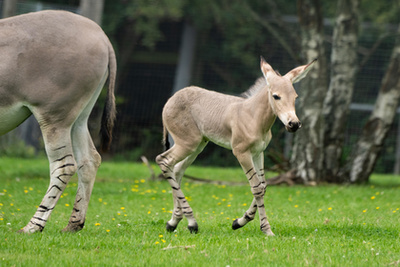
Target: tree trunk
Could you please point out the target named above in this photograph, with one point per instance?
(306, 160)
(9, 8)
(340, 92)
(365, 153)
(92, 9)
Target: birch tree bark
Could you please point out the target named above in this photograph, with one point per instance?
(9, 8)
(92, 9)
(365, 153)
(342, 79)
(306, 154)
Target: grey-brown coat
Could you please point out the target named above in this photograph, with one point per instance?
(195, 116)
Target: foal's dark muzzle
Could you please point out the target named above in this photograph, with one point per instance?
(293, 126)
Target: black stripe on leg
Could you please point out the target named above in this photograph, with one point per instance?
(66, 156)
(61, 147)
(63, 166)
(40, 219)
(249, 171)
(251, 177)
(52, 188)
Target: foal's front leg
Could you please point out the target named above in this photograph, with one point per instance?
(258, 185)
(249, 215)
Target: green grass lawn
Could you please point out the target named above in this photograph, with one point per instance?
(329, 225)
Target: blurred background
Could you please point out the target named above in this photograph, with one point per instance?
(165, 45)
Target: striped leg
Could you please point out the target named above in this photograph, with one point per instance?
(167, 162)
(88, 161)
(251, 212)
(62, 168)
(255, 175)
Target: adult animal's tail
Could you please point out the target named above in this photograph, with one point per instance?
(109, 111)
(165, 139)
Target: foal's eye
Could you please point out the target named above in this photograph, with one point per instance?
(276, 97)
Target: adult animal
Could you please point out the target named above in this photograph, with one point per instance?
(195, 116)
(53, 64)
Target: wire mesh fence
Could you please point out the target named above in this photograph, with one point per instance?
(147, 81)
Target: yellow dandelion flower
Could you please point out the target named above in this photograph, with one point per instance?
(142, 180)
(296, 206)
(1, 219)
(244, 204)
(100, 200)
(108, 230)
(26, 191)
(364, 210)
(222, 212)
(11, 204)
(377, 208)
(97, 224)
(160, 236)
(394, 211)
(149, 212)
(122, 208)
(1, 204)
(329, 208)
(373, 197)
(229, 205)
(66, 205)
(219, 203)
(163, 240)
(157, 243)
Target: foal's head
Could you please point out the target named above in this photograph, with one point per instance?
(282, 95)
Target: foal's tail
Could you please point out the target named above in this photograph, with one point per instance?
(165, 140)
(109, 111)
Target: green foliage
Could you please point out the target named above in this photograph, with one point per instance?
(328, 225)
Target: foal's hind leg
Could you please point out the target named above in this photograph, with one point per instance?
(62, 167)
(167, 162)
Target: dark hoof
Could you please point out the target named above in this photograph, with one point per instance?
(170, 228)
(236, 225)
(193, 229)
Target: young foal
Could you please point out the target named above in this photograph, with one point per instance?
(194, 116)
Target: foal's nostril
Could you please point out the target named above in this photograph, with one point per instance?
(294, 125)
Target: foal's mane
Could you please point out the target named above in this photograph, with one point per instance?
(259, 84)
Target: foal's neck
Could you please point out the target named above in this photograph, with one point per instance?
(261, 109)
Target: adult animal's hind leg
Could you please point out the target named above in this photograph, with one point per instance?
(88, 161)
(167, 162)
(62, 167)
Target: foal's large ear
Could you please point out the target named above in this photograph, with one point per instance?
(296, 74)
(265, 67)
